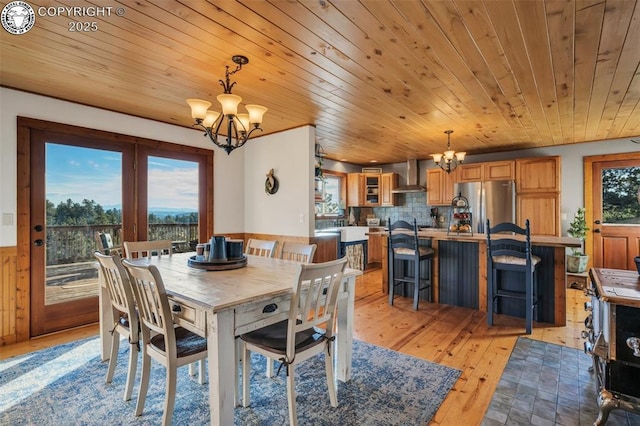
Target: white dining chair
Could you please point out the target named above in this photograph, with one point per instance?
(265, 248)
(307, 332)
(139, 249)
(298, 252)
(124, 314)
(170, 345)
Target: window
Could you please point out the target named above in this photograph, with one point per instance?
(621, 195)
(330, 194)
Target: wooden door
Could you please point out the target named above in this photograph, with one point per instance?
(72, 181)
(612, 200)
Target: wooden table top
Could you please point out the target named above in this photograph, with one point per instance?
(617, 286)
(262, 278)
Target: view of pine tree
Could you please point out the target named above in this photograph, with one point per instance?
(620, 191)
(88, 212)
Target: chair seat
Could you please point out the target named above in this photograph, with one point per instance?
(187, 342)
(274, 337)
(514, 260)
(424, 251)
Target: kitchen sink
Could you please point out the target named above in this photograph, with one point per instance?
(349, 234)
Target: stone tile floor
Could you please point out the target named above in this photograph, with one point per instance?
(547, 384)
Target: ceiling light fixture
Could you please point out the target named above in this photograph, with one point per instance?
(239, 127)
(450, 159)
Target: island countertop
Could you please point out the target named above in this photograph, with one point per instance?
(443, 234)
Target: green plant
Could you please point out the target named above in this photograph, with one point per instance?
(578, 229)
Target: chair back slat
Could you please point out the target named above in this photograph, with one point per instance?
(262, 248)
(141, 249)
(509, 244)
(298, 252)
(315, 294)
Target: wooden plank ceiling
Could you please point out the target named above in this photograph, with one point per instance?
(380, 80)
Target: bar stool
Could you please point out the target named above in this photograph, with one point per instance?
(510, 253)
(404, 245)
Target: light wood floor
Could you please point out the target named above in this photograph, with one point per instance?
(448, 335)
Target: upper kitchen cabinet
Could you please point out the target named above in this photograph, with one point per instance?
(538, 174)
(388, 182)
(440, 187)
(371, 189)
(355, 189)
(494, 170)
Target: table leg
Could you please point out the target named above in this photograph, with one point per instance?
(222, 362)
(344, 342)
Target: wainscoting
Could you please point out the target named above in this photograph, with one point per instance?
(8, 295)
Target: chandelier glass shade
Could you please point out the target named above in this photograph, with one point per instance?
(234, 128)
(450, 159)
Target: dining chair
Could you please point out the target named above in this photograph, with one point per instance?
(105, 245)
(140, 249)
(124, 315)
(298, 252)
(263, 248)
(510, 254)
(170, 345)
(404, 245)
(308, 331)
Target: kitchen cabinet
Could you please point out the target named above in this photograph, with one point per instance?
(355, 189)
(538, 194)
(440, 187)
(388, 182)
(375, 245)
(499, 170)
(371, 189)
(540, 174)
(479, 172)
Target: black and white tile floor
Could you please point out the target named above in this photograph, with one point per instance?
(547, 384)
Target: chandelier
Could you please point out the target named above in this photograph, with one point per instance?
(450, 159)
(237, 128)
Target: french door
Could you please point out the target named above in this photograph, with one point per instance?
(612, 191)
(75, 182)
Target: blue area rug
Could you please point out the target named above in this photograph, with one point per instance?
(65, 385)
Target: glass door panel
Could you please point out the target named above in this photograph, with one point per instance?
(83, 190)
(173, 201)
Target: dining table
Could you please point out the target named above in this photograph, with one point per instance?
(221, 304)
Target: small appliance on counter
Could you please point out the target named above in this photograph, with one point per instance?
(373, 221)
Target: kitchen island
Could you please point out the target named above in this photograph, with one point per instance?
(460, 271)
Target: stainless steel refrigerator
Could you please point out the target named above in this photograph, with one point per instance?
(494, 200)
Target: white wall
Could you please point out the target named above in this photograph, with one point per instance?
(240, 202)
(290, 211)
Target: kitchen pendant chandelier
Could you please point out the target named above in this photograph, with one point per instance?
(450, 159)
(239, 127)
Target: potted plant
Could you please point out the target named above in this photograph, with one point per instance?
(577, 261)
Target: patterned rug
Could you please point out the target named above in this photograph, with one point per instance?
(65, 385)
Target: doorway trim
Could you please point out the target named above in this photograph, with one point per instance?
(25, 126)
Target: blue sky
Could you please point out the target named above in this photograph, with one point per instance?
(78, 173)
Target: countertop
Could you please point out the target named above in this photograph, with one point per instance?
(540, 240)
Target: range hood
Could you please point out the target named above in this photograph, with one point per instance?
(412, 179)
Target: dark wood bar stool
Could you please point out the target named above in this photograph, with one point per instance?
(509, 253)
(404, 245)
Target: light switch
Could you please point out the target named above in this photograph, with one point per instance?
(7, 219)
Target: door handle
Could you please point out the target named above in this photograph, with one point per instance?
(597, 231)
(597, 222)
(38, 242)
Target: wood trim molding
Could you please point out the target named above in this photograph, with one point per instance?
(9, 316)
